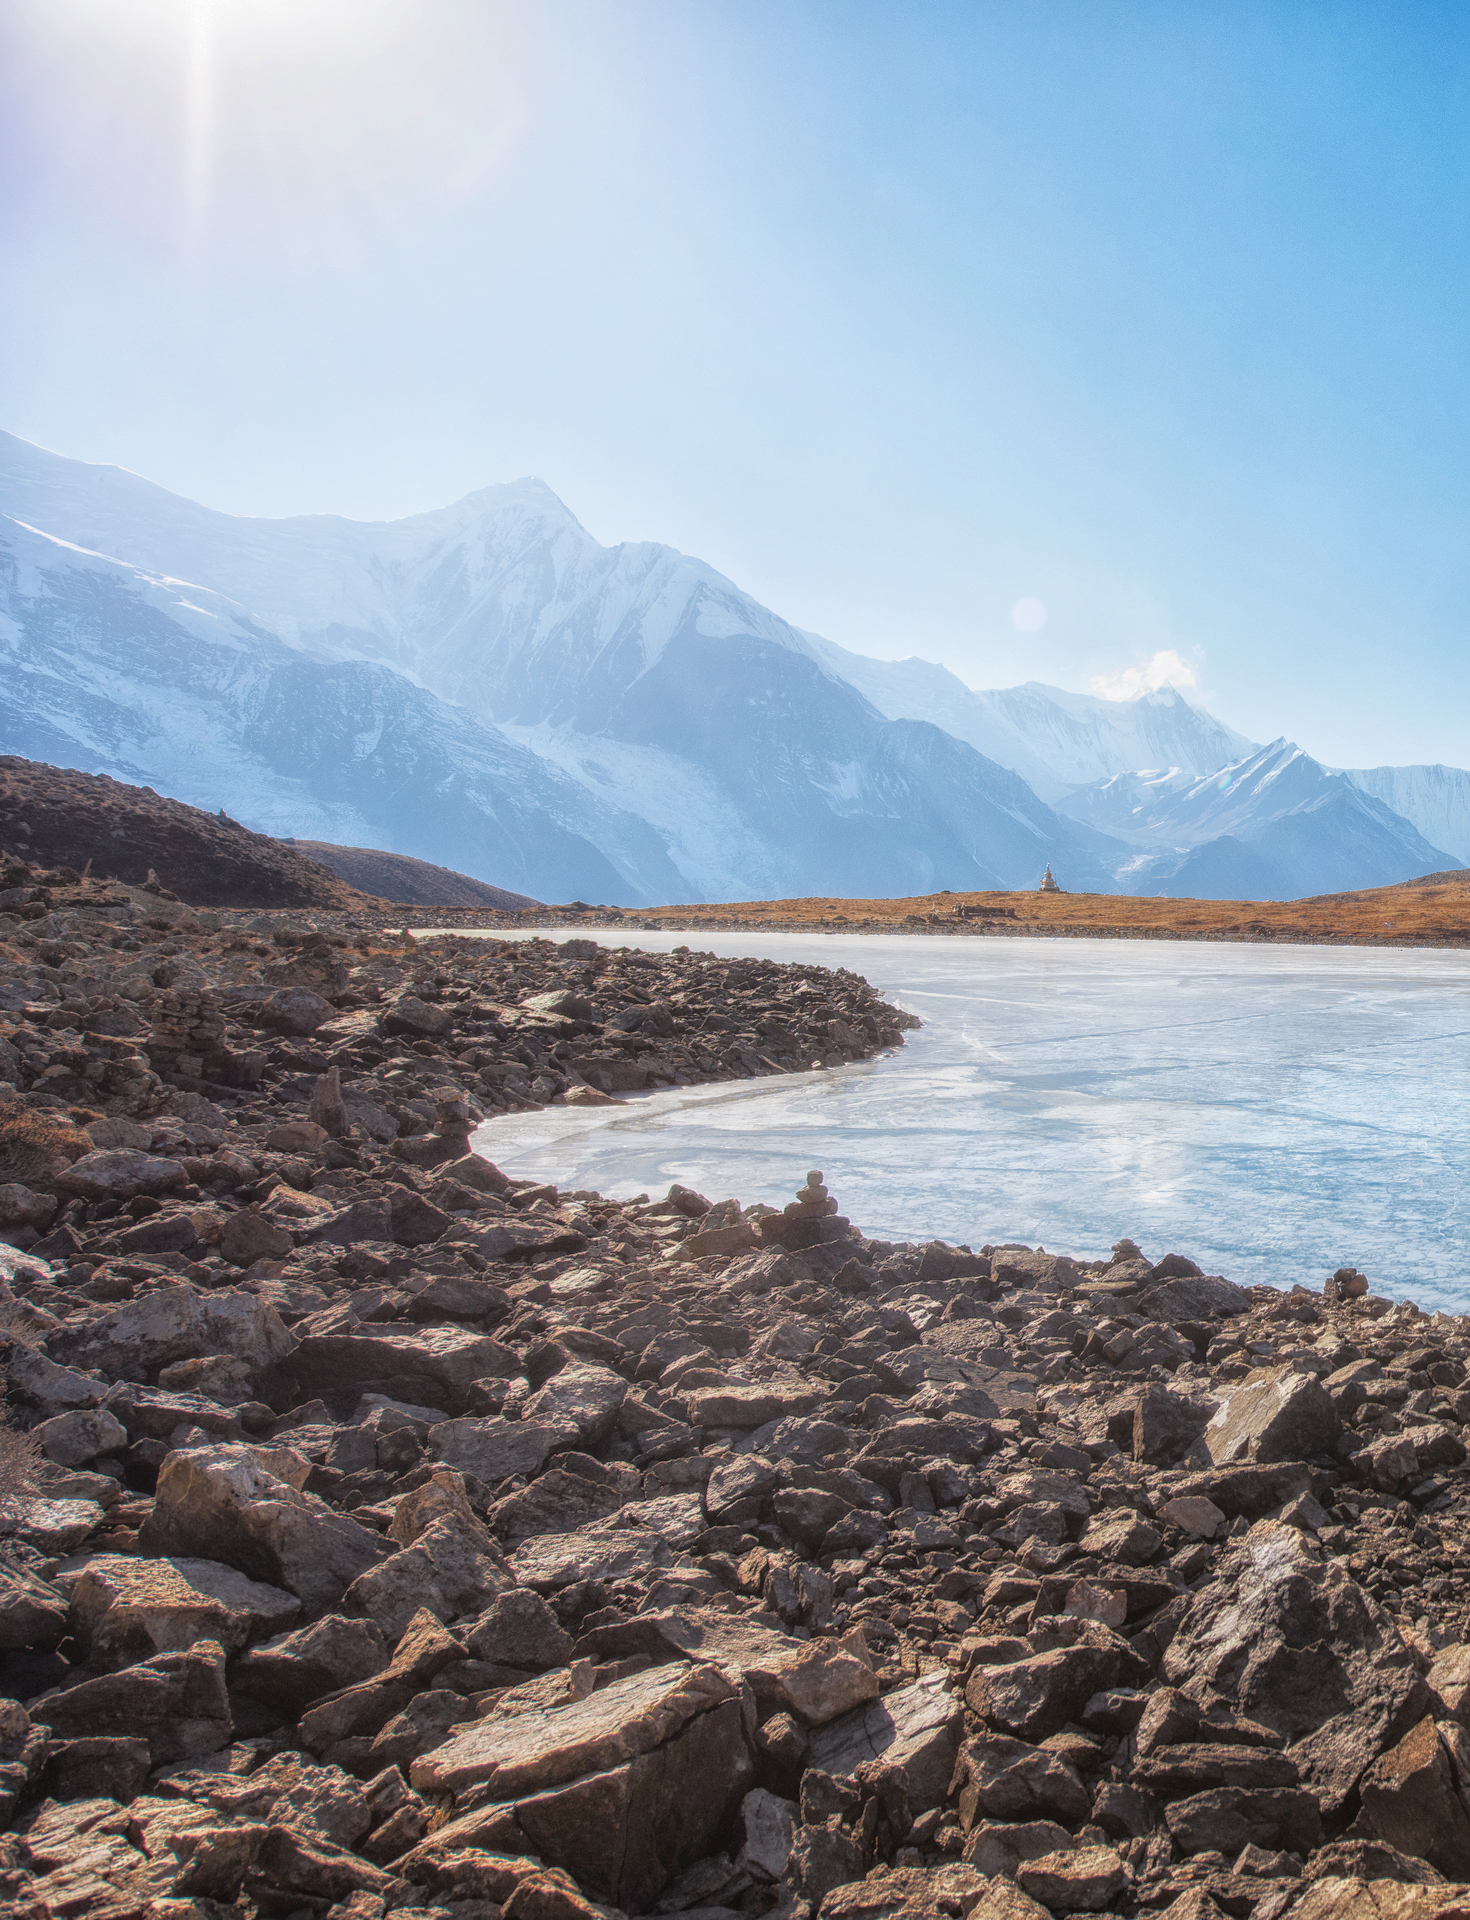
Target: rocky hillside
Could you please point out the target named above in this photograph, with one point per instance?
(59, 818)
(390, 1537)
(412, 883)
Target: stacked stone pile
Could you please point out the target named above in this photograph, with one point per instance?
(411, 1541)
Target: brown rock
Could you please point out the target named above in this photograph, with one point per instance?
(175, 1701)
(1294, 1642)
(120, 1174)
(1409, 1801)
(1037, 1697)
(291, 1671)
(1083, 1879)
(914, 1728)
(124, 1608)
(247, 1236)
(294, 1010)
(1333, 1899)
(888, 1892)
(1279, 1415)
(1225, 1819)
(620, 1789)
(1449, 1682)
(997, 1778)
(999, 1847)
(222, 1502)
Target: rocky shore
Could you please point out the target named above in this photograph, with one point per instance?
(383, 1537)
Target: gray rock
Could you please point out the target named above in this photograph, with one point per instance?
(586, 1398)
(553, 1560)
(436, 1365)
(72, 1439)
(248, 1236)
(493, 1449)
(120, 1173)
(554, 1502)
(294, 1010)
(175, 1323)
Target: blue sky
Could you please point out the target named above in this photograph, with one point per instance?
(900, 315)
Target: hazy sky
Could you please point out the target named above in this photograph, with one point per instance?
(905, 316)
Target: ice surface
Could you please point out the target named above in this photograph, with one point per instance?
(1273, 1112)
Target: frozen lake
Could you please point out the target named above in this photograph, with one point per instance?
(1275, 1112)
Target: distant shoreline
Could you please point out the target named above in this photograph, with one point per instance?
(884, 930)
(1431, 912)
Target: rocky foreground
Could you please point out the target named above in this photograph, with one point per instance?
(385, 1537)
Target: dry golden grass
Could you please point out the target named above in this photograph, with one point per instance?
(34, 1146)
(1433, 912)
(24, 1469)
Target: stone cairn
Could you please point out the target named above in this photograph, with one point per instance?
(807, 1221)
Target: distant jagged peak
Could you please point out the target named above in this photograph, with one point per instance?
(527, 500)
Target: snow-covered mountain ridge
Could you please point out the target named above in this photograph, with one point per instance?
(1275, 824)
(1435, 798)
(643, 675)
(1055, 740)
(487, 687)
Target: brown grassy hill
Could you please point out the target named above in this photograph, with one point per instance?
(409, 882)
(61, 818)
(1432, 911)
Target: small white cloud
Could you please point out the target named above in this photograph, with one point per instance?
(1166, 669)
(1029, 615)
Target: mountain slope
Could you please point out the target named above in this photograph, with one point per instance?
(488, 688)
(409, 882)
(502, 602)
(57, 818)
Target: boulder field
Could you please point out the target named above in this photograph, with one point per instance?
(385, 1539)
